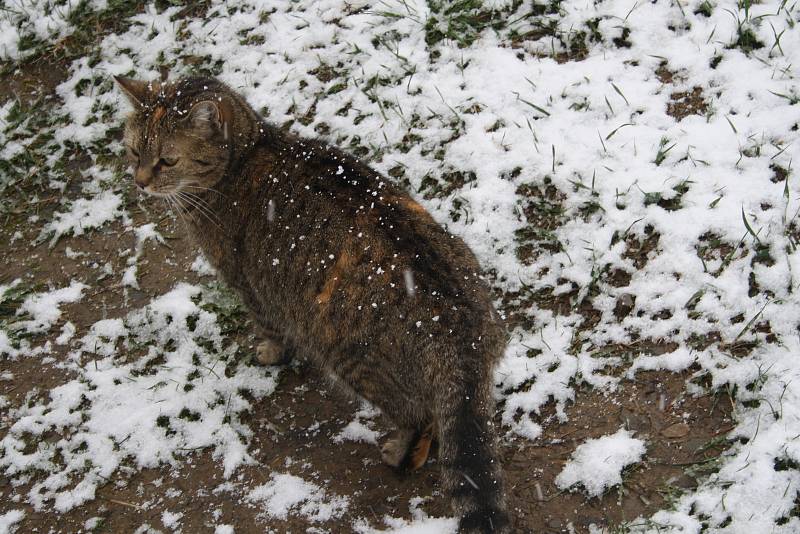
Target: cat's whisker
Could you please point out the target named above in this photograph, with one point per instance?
(172, 207)
(199, 204)
(205, 189)
(197, 198)
(202, 208)
(179, 208)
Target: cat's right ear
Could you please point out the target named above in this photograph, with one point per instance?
(208, 117)
(137, 91)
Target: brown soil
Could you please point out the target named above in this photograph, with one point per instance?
(683, 103)
(38, 79)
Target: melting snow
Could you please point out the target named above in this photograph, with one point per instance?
(9, 520)
(287, 494)
(44, 307)
(597, 464)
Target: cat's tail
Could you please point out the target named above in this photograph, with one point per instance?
(471, 470)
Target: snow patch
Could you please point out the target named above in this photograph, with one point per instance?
(9, 521)
(597, 464)
(201, 266)
(286, 494)
(44, 307)
(84, 214)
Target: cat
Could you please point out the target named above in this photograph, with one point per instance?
(339, 266)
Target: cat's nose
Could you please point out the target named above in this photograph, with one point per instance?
(142, 177)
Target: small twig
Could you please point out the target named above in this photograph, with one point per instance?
(122, 503)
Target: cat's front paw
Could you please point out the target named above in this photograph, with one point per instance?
(268, 352)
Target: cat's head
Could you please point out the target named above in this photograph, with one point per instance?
(178, 137)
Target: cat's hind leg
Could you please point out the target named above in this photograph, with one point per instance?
(395, 448)
(271, 352)
(408, 448)
(272, 348)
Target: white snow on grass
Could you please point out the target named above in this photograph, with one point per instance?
(43, 308)
(597, 464)
(92, 523)
(85, 214)
(143, 234)
(152, 386)
(5, 289)
(9, 520)
(287, 494)
(37, 20)
(201, 266)
(420, 523)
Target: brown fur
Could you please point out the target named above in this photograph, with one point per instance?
(420, 451)
(320, 247)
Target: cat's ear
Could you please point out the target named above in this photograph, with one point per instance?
(208, 117)
(137, 91)
(204, 117)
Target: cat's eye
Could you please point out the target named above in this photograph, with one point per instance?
(168, 162)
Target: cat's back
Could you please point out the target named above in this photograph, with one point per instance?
(350, 256)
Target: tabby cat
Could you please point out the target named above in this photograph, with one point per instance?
(340, 267)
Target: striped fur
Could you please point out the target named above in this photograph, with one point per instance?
(340, 267)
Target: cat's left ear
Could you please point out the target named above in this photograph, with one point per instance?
(137, 91)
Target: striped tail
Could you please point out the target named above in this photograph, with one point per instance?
(471, 470)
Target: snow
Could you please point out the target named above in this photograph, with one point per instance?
(9, 519)
(143, 234)
(43, 308)
(5, 289)
(202, 267)
(285, 494)
(360, 428)
(357, 431)
(92, 523)
(597, 464)
(117, 407)
(85, 214)
(67, 332)
(171, 520)
(421, 523)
